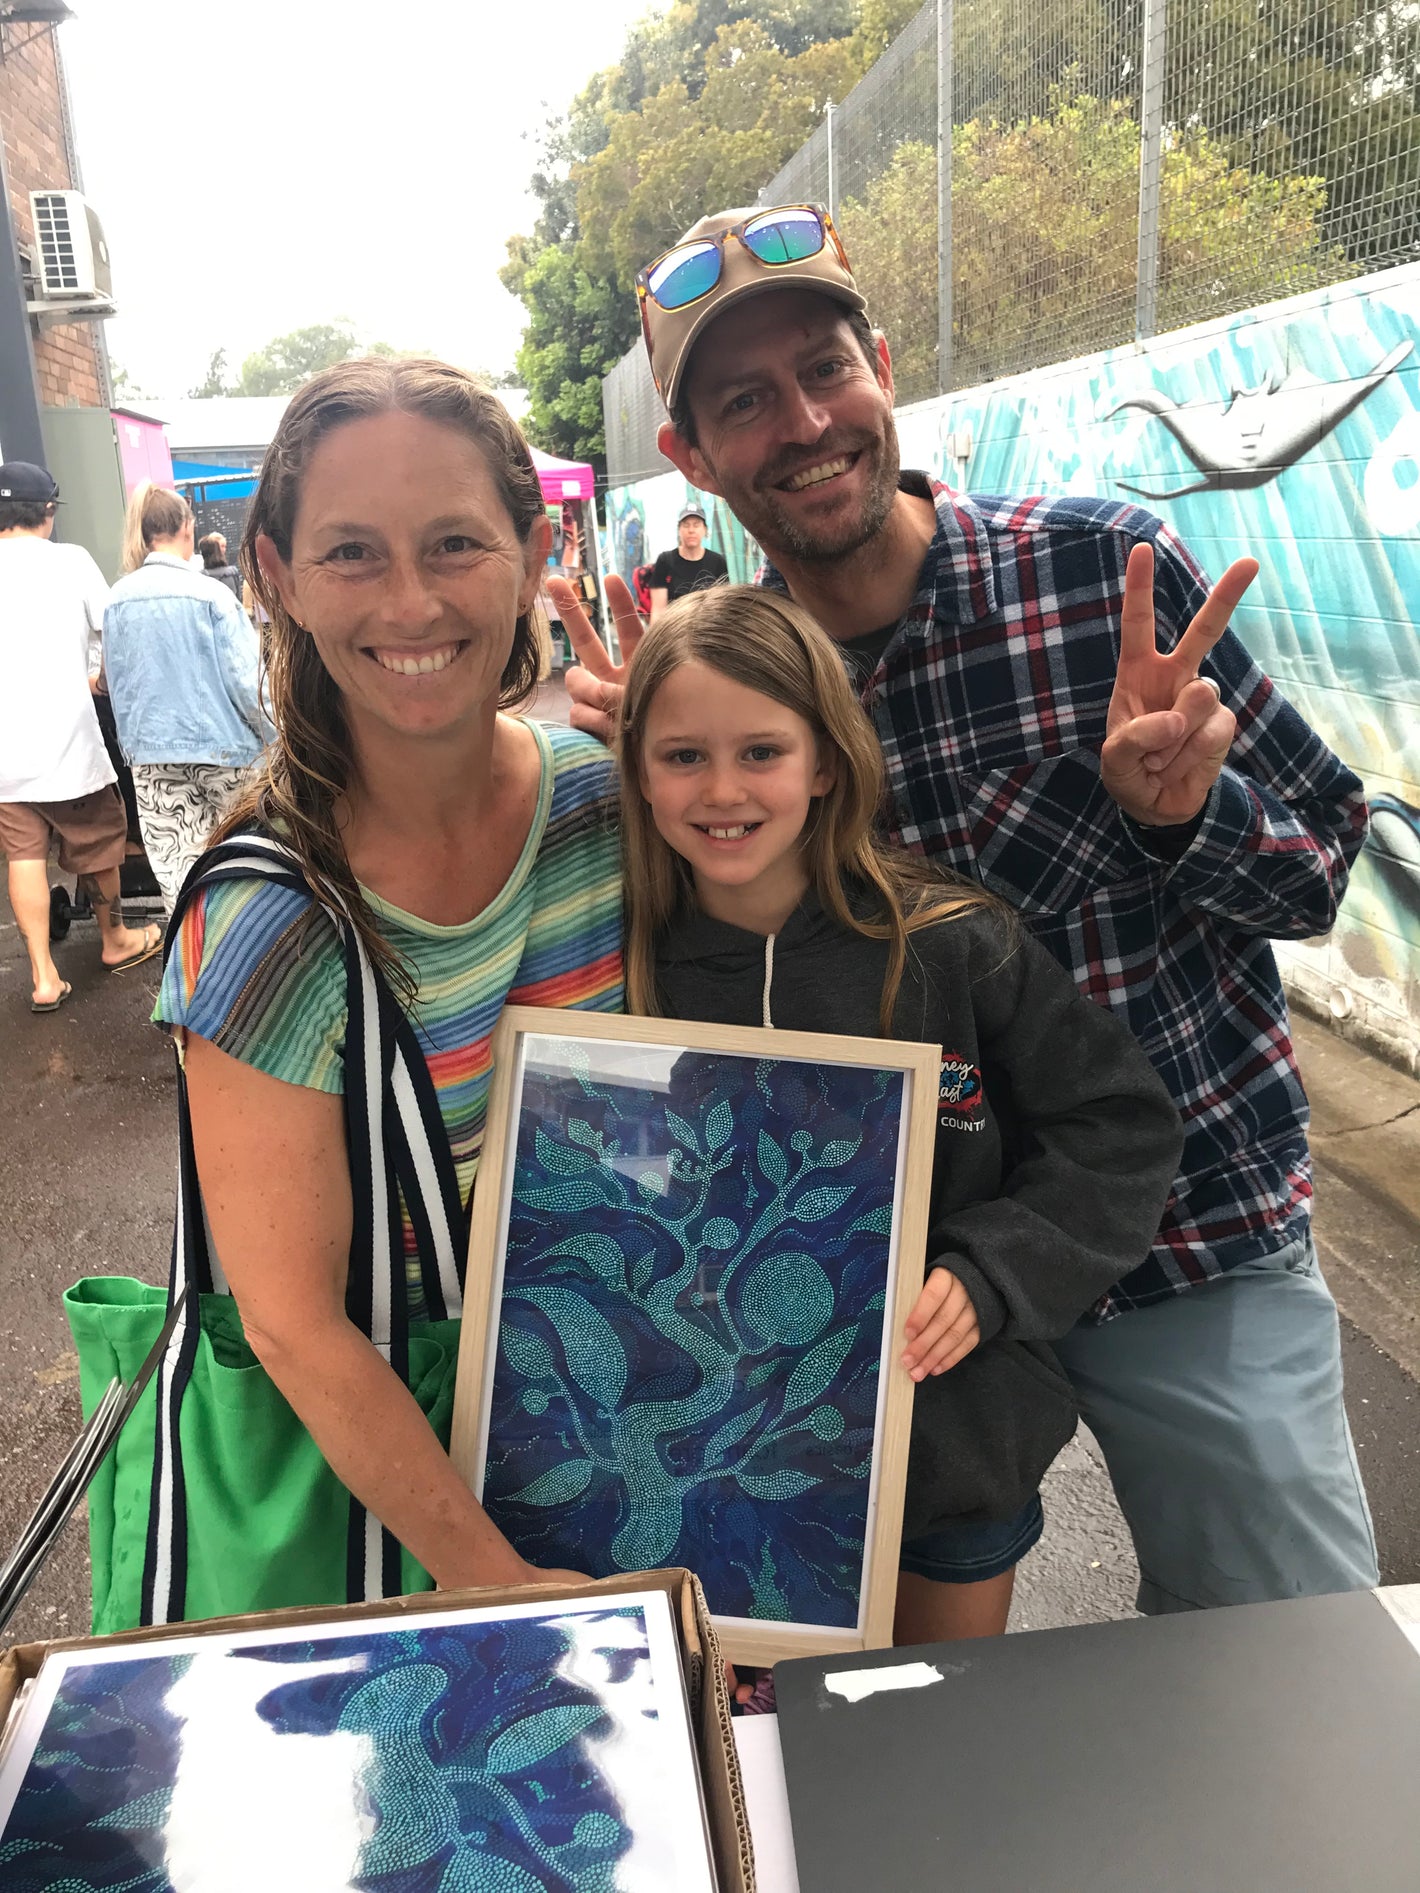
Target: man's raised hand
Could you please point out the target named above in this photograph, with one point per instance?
(595, 684)
(1167, 734)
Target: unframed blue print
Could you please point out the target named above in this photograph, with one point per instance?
(462, 1758)
(692, 1321)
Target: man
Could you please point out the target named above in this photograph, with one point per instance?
(691, 567)
(1067, 717)
(56, 780)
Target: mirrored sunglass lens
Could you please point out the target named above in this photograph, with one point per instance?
(785, 236)
(684, 275)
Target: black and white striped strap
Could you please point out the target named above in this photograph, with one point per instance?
(398, 1150)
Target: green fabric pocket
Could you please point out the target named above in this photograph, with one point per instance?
(267, 1520)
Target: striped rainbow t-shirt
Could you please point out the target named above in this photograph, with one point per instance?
(253, 975)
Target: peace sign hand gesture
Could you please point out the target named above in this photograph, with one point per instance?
(595, 684)
(1167, 734)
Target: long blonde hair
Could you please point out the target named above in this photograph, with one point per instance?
(765, 642)
(154, 512)
(310, 766)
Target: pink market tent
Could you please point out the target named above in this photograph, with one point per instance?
(562, 479)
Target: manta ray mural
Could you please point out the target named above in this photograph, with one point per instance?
(1256, 433)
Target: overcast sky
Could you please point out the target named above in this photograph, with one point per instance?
(263, 164)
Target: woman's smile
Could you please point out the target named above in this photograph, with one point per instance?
(421, 663)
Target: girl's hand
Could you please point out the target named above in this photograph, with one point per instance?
(942, 1328)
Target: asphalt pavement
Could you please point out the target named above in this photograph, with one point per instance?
(86, 1187)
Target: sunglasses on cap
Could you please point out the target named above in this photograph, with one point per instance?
(689, 272)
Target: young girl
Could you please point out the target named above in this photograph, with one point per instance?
(757, 894)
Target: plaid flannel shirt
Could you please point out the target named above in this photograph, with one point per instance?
(990, 701)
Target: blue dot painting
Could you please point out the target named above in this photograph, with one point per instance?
(523, 1754)
(691, 1325)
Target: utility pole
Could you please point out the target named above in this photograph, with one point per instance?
(21, 437)
(1151, 116)
(945, 21)
(828, 118)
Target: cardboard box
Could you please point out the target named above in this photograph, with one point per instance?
(700, 1656)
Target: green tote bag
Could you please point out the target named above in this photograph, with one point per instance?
(215, 1499)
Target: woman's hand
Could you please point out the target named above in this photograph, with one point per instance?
(595, 684)
(942, 1328)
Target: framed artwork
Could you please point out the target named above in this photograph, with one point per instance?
(693, 1251)
(529, 1748)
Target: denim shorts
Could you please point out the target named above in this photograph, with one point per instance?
(970, 1553)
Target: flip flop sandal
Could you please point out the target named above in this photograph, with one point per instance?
(150, 947)
(52, 1005)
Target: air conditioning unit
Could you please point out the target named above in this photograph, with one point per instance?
(70, 252)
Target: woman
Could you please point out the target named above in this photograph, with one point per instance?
(180, 664)
(397, 540)
(212, 548)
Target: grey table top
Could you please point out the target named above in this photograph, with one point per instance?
(1356, 1757)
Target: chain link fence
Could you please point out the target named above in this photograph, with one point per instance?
(632, 413)
(1045, 180)
(873, 161)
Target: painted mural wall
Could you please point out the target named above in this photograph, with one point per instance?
(1291, 433)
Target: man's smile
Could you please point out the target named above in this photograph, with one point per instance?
(817, 475)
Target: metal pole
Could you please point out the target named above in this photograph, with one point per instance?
(76, 178)
(608, 626)
(1151, 132)
(945, 13)
(828, 118)
(21, 437)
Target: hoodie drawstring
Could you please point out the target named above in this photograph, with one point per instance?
(768, 976)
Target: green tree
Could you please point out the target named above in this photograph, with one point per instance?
(1324, 89)
(577, 328)
(214, 382)
(1044, 229)
(125, 388)
(706, 102)
(288, 360)
(665, 164)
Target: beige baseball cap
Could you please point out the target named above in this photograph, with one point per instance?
(671, 334)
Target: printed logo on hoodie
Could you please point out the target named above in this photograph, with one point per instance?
(960, 1099)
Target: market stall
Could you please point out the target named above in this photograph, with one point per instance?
(569, 493)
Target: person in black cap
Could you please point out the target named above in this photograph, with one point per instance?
(56, 779)
(691, 567)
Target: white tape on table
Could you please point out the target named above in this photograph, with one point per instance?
(856, 1685)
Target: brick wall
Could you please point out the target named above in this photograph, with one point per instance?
(32, 121)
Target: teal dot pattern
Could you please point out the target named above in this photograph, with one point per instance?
(691, 1324)
(480, 1761)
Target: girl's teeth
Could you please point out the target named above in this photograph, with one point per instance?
(729, 834)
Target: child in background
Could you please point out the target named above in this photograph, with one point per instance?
(757, 894)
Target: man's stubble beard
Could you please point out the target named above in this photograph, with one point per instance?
(762, 518)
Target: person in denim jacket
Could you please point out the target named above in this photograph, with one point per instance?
(180, 661)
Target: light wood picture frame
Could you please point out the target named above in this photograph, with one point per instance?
(693, 1251)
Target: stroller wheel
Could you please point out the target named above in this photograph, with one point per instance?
(60, 913)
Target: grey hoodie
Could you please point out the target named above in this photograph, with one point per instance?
(1056, 1146)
